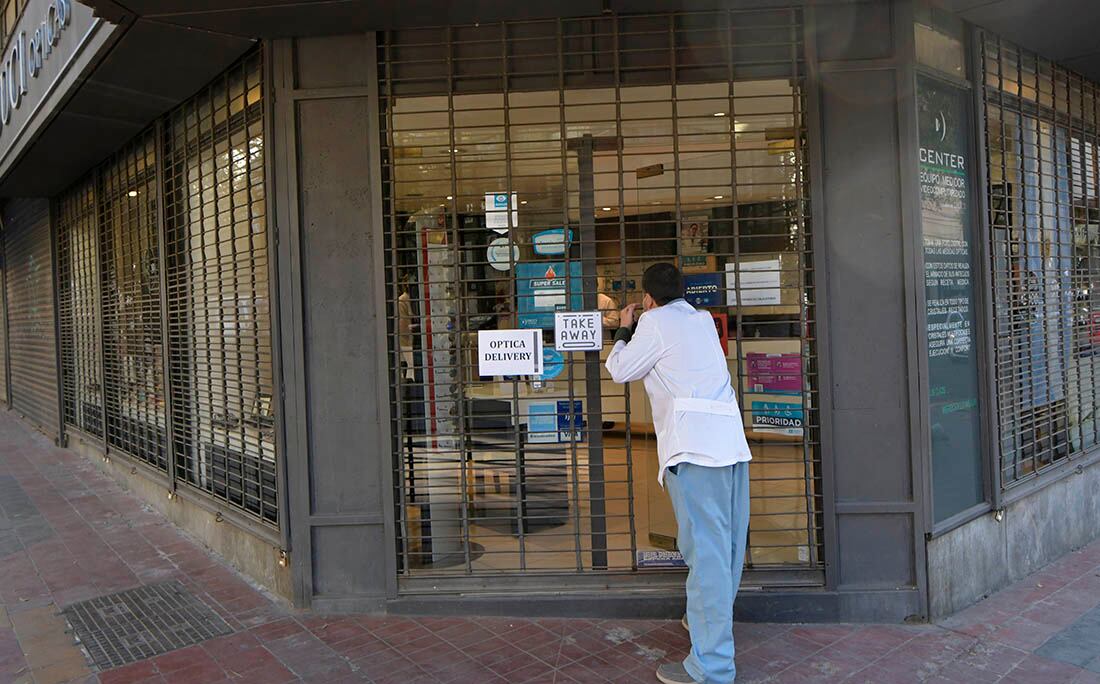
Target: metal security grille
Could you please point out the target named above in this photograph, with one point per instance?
(191, 308)
(218, 292)
(30, 301)
(78, 308)
(133, 375)
(539, 166)
(1043, 131)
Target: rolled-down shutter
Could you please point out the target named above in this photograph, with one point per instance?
(32, 337)
(3, 331)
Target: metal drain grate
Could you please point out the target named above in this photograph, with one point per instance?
(141, 623)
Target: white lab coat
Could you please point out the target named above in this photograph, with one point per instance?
(675, 349)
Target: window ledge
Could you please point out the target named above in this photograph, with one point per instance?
(1025, 487)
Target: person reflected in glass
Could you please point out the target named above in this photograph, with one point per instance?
(609, 308)
(703, 457)
(406, 326)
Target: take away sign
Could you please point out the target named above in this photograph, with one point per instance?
(578, 330)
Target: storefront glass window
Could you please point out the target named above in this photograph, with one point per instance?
(940, 40)
(951, 316)
(552, 189)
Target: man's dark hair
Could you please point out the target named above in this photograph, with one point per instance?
(663, 282)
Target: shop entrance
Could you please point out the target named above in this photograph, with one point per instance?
(538, 167)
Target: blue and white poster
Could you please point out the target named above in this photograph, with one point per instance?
(542, 423)
(541, 290)
(552, 242)
(571, 423)
(783, 418)
(496, 211)
(703, 289)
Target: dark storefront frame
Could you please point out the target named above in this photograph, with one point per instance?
(691, 45)
(325, 192)
(945, 60)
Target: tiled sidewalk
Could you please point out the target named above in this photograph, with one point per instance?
(68, 533)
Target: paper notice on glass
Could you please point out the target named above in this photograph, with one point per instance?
(496, 211)
(550, 299)
(509, 352)
(755, 283)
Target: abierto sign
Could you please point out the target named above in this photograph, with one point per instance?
(28, 50)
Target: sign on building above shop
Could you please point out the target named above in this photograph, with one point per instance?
(509, 352)
(27, 52)
(578, 330)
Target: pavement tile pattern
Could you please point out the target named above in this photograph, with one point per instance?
(69, 533)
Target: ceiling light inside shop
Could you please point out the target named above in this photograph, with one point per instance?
(607, 208)
(449, 197)
(719, 113)
(719, 196)
(132, 193)
(523, 201)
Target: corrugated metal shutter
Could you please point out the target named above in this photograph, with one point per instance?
(31, 332)
(3, 330)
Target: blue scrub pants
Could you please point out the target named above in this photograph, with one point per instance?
(712, 519)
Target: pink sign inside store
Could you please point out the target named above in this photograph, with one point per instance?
(774, 373)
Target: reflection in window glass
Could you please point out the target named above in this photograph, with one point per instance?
(940, 40)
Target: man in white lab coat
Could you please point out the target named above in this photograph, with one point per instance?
(703, 458)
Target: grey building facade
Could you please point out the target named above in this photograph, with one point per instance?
(254, 256)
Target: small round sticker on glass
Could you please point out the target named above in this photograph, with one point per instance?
(553, 363)
(498, 254)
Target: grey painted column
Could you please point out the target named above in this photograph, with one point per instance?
(861, 79)
(332, 319)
